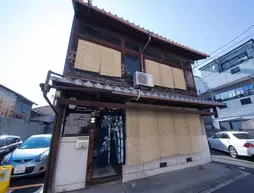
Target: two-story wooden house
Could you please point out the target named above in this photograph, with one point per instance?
(127, 105)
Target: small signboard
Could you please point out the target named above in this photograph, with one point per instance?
(5, 177)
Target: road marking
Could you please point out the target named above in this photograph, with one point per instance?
(243, 175)
(26, 186)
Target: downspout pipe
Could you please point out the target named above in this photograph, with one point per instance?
(148, 41)
(142, 51)
(45, 88)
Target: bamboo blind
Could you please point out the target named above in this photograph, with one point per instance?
(153, 68)
(96, 58)
(166, 76)
(179, 80)
(162, 74)
(87, 57)
(148, 136)
(132, 138)
(110, 62)
(154, 134)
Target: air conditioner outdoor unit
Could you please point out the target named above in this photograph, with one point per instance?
(243, 59)
(143, 79)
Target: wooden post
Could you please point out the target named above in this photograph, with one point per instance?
(56, 135)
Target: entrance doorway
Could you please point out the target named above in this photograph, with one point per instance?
(109, 146)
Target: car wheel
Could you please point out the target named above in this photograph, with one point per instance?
(232, 151)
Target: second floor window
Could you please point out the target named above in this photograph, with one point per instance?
(234, 61)
(131, 64)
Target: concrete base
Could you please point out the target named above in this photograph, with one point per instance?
(153, 172)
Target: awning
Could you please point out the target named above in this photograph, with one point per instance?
(68, 83)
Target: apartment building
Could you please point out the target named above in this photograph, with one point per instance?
(229, 79)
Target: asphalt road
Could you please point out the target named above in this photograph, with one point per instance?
(245, 164)
(245, 184)
(26, 182)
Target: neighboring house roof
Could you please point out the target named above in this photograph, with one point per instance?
(17, 94)
(132, 92)
(44, 110)
(208, 64)
(181, 48)
(43, 114)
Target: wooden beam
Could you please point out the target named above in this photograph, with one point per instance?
(94, 90)
(98, 104)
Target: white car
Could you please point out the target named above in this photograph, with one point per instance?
(233, 142)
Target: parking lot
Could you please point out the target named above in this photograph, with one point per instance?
(26, 185)
(226, 158)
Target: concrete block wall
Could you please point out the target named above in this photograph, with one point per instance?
(19, 127)
(173, 163)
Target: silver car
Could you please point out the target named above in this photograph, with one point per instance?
(30, 158)
(8, 143)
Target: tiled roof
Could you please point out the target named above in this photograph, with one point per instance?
(45, 110)
(17, 94)
(141, 29)
(135, 92)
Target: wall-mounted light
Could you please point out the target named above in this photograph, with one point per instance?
(93, 117)
(93, 120)
(72, 106)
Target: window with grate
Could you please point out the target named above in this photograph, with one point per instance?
(245, 101)
(234, 61)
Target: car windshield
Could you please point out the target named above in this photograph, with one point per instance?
(36, 142)
(243, 136)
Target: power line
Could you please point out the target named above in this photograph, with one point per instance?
(228, 43)
(233, 39)
(215, 56)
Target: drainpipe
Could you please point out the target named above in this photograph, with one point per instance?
(142, 51)
(148, 41)
(45, 88)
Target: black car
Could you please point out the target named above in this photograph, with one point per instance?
(8, 143)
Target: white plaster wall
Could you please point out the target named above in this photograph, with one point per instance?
(173, 163)
(214, 79)
(71, 165)
(236, 109)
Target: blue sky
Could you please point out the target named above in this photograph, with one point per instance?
(34, 34)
